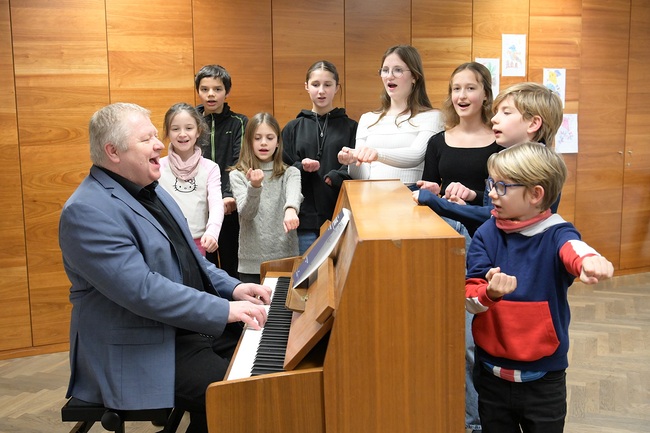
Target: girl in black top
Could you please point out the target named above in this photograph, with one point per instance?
(312, 142)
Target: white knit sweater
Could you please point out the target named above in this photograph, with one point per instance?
(261, 217)
(401, 148)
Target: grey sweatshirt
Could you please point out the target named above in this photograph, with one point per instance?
(261, 216)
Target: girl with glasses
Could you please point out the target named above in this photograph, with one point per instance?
(392, 140)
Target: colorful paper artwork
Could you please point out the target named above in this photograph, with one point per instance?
(566, 139)
(493, 66)
(555, 79)
(513, 55)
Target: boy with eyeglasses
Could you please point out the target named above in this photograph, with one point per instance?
(520, 265)
(522, 112)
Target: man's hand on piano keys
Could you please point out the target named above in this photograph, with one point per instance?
(251, 314)
(248, 306)
(255, 293)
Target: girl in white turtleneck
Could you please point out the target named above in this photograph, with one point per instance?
(391, 141)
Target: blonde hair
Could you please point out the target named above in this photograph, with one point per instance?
(533, 99)
(531, 164)
(247, 158)
(110, 125)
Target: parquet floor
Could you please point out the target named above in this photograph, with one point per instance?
(608, 378)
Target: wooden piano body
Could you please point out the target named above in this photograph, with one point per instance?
(394, 360)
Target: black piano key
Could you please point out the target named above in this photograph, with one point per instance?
(260, 371)
(273, 342)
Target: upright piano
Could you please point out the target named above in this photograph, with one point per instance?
(378, 343)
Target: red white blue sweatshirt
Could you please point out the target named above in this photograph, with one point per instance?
(527, 329)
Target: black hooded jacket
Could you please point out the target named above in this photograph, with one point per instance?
(301, 138)
(221, 142)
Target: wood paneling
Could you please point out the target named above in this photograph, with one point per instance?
(603, 100)
(554, 42)
(491, 20)
(371, 27)
(150, 54)
(303, 33)
(635, 235)
(442, 32)
(63, 60)
(15, 327)
(237, 36)
(61, 79)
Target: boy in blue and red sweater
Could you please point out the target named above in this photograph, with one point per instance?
(520, 265)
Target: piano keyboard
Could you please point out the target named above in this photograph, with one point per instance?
(262, 351)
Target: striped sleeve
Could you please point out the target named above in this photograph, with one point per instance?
(476, 298)
(573, 252)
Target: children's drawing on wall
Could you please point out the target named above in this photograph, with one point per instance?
(555, 79)
(493, 66)
(513, 48)
(566, 139)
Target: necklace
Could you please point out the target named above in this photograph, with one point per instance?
(323, 128)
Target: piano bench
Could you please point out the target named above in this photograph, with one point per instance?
(87, 414)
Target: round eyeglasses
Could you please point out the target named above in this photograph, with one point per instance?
(500, 187)
(396, 71)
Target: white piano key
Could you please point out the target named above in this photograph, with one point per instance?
(243, 363)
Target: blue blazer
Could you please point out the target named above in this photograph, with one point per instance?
(127, 296)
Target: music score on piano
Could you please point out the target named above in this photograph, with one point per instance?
(262, 351)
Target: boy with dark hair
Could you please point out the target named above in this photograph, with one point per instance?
(221, 143)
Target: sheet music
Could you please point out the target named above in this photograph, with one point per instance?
(322, 248)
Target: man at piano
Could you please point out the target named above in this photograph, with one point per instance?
(153, 322)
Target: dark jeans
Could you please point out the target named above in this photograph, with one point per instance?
(305, 239)
(226, 255)
(201, 360)
(529, 407)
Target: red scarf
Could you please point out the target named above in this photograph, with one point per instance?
(511, 226)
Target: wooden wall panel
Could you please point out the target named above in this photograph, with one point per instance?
(61, 61)
(493, 19)
(635, 236)
(237, 36)
(15, 326)
(554, 42)
(603, 94)
(150, 54)
(371, 27)
(303, 33)
(442, 32)
(61, 79)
